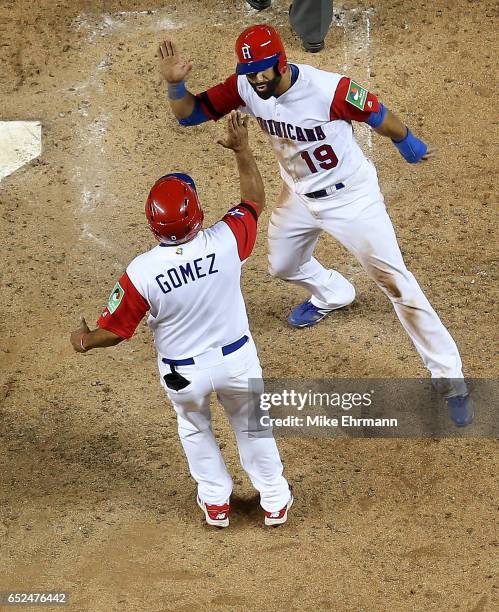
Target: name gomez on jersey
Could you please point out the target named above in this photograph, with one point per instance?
(192, 291)
(309, 125)
(180, 275)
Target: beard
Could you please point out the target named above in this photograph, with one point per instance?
(270, 87)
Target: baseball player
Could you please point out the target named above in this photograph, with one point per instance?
(328, 185)
(190, 285)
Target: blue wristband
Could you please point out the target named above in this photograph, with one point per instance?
(376, 119)
(411, 148)
(176, 91)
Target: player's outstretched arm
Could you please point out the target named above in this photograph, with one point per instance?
(83, 339)
(191, 109)
(249, 176)
(410, 147)
(174, 70)
(392, 127)
(352, 102)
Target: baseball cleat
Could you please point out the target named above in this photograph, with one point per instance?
(307, 314)
(259, 5)
(218, 516)
(461, 409)
(274, 519)
(313, 47)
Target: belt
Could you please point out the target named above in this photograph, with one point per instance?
(226, 350)
(322, 193)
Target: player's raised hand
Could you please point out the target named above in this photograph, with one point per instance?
(172, 67)
(237, 132)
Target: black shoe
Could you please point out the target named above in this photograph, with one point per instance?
(259, 5)
(313, 47)
(310, 47)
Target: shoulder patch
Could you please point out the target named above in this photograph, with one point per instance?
(356, 95)
(236, 212)
(115, 298)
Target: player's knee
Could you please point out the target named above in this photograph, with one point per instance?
(280, 268)
(391, 283)
(189, 430)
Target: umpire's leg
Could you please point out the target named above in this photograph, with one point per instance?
(311, 19)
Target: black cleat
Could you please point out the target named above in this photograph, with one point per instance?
(313, 47)
(259, 5)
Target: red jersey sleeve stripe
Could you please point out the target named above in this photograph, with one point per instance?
(242, 220)
(125, 309)
(221, 99)
(341, 109)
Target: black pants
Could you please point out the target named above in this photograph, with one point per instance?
(311, 19)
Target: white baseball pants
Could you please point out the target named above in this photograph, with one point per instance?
(228, 377)
(357, 218)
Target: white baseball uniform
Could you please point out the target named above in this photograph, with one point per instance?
(310, 130)
(198, 317)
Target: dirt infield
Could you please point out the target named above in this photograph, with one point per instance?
(96, 499)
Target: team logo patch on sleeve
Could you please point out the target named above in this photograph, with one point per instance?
(236, 212)
(356, 95)
(115, 298)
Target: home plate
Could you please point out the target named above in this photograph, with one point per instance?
(20, 142)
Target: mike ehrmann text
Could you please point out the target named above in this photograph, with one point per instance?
(346, 420)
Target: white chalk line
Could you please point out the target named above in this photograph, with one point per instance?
(356, 24)
(368, 54)
(106, 24)
(88, 234)
(91, 139)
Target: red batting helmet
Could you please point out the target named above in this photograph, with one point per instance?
(173, 210)
(258, 48)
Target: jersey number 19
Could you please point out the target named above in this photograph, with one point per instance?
(325, 157)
